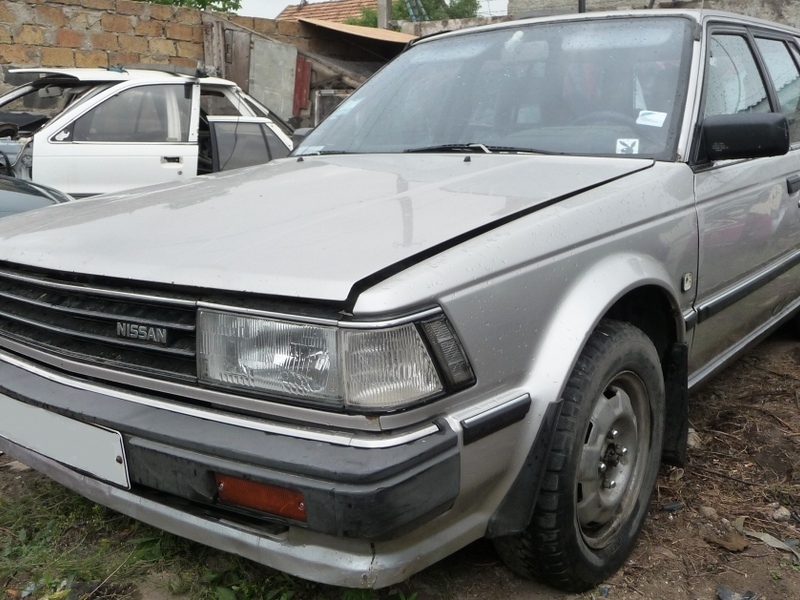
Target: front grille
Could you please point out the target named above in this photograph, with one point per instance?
(100, 324)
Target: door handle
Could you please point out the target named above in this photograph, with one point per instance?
(793, 183)
(177, 159)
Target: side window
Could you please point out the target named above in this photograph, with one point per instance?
(733, 83)
(240, 145)
(216, 103)
(786, 79)
(277, 149)
(153, 113)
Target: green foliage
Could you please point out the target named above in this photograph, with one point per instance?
(368, 18)
(218, 5)
(436, 10)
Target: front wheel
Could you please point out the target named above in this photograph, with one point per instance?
(602, 467)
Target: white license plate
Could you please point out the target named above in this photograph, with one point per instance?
(94, 450)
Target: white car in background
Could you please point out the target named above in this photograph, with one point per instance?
(93, 131)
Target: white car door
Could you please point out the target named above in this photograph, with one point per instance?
(141, 136)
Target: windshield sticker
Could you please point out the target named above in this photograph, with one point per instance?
(628, 146)
(651, 118)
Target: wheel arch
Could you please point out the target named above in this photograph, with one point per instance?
(663, 323)
(636, 289)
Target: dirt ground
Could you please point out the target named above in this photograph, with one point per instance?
(705, 536)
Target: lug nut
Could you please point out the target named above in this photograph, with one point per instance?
(610, 485)
(623, 452)
(603, 467)
(614, 434)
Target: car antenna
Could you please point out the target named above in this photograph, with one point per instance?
(116, 69)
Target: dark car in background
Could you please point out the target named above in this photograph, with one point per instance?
(18, 196)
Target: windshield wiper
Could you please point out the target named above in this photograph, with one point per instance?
(474, 147)
(480, 148)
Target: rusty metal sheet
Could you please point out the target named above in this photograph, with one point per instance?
(302, 83)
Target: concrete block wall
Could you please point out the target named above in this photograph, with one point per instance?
(518, 6)
(782, 11)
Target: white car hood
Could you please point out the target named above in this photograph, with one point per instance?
(305, 229)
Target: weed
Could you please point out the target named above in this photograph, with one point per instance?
(784, 494)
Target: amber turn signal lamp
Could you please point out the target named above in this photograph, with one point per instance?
(261, 496)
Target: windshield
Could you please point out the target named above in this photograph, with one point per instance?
(30, 107)
(607, 87)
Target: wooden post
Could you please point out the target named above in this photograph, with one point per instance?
(384, 13)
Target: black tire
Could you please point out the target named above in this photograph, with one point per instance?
(587, 518)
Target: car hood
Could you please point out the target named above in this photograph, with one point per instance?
(305, 228)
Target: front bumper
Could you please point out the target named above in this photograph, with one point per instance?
(353, 495)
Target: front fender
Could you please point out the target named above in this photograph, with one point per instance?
(587, 300)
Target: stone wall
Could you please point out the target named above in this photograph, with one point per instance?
(98, 33)
(102, 33)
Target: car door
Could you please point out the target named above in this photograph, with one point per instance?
(139, 136)
(243, 142)
(748, 214)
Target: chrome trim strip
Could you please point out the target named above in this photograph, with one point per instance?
(366, 324)
(94, 290)
(218, 398)
(728, 297)
(690, 319)
(98, 338)
(268, 314)
(344, 324)
(734, 351)
(495, 419)
(423, 314)
(95, 314)
(354, 440)
(488, 414)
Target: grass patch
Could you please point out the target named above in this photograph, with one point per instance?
(56, 545)
(786, 494)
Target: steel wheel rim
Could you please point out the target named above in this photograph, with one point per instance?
(616, 444)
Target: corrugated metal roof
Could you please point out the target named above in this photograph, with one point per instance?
(337, 11)
(383, 35)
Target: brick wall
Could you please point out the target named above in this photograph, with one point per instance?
(101, 33)
(98, 33)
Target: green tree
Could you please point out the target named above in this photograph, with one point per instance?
(218, 5)
(436, 10)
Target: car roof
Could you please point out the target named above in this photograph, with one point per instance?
(113, 75)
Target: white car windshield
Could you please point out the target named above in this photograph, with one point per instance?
(599, 88)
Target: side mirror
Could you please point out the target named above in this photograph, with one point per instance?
(745, 135)
(298, 135)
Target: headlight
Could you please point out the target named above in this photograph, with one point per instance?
(364, 369)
